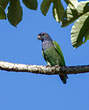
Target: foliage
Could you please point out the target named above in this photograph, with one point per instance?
(2, 13)
(31, 4)
(14, 12)
(75, 11)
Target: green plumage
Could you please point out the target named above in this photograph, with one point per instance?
(52, 53)
(54, 56)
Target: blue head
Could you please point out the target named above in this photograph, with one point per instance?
(46, 40)
(44, 37)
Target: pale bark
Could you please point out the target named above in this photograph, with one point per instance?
(40, 69)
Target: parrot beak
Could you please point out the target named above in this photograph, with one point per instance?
(39, 37)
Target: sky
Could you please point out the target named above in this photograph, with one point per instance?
(28, 91)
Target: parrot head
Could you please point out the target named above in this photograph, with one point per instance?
(44, 36)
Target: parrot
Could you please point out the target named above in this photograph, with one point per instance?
(52, 53)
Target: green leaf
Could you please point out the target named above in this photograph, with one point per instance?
(71, 2)
(58, 10)
(45, 6)
(74, 12)
(80, 31)
(4, 3)
(2, 13)
(31, 4)
(14, 12)
(83, 7)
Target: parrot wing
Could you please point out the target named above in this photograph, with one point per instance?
(58, 49)
(63, 77)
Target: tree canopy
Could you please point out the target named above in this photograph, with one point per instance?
(75, 11)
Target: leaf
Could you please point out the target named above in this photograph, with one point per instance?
(58, 10)
(74, 12)
(4, 3)
(2, 13)
(14, 12)
(71, 2)
(80, 31)
(83, 7)
(31, 4)
(45, 6)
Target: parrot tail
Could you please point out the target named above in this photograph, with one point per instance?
(64, 78)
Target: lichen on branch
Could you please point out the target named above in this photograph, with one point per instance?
(40, 69)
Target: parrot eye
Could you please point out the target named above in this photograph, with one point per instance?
(43, 34)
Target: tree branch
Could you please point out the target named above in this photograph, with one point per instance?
(39, 69)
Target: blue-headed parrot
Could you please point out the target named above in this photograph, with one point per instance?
(52, 53)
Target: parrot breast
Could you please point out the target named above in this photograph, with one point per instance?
(52, 57)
